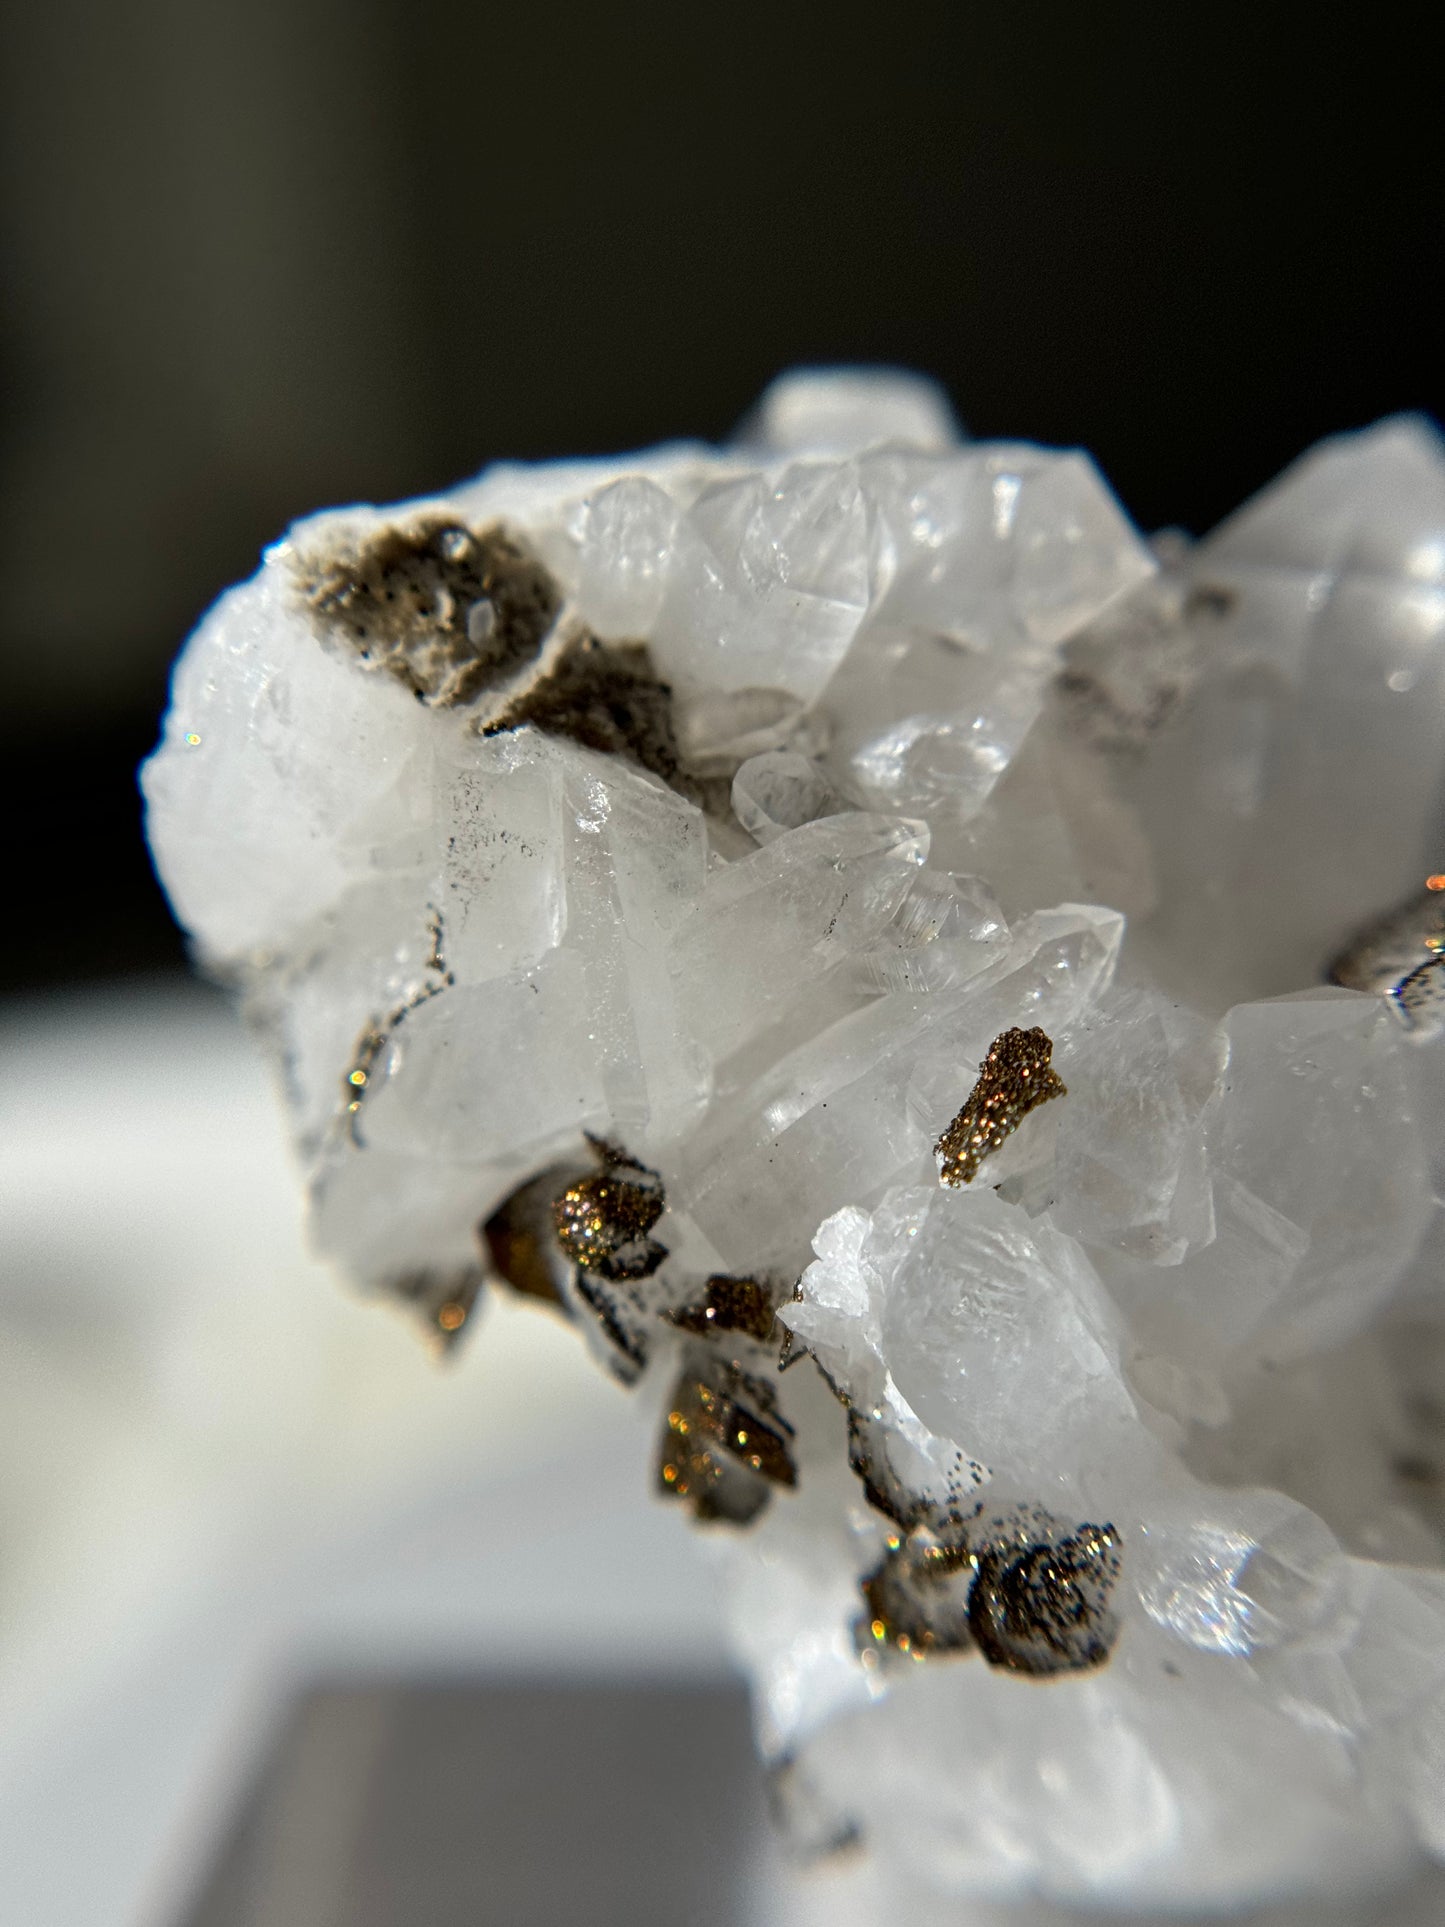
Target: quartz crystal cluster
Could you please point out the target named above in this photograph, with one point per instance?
(946, 994)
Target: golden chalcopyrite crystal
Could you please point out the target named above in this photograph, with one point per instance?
(1014, 1079)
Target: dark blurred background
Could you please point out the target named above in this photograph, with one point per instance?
(265, 255)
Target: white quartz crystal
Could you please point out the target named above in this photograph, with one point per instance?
(632, 866)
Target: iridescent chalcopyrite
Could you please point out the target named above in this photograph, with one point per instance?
(603, 1220)
(725, 1444)
(621, 861)
(578, 1236)
(1031, 1595)
(1015, 1078)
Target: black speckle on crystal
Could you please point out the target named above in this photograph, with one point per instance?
(1042, 1606)
(1029, 1593)
(944, 1512)
(621, 1323)
(805, 1816)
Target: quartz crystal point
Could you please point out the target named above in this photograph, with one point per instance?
(628, 866)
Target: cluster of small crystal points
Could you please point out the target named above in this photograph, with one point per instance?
(630, 866)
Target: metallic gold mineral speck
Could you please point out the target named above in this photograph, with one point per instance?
(598, 1214)
(1014, 1079)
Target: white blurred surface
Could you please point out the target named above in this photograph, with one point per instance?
(222, 1472)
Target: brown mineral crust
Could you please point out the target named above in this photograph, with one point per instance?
(1014, 1078)
(514, 1238)
(1133, 671)
(447, 610)
(762, 1449)
(607, 696)
(730, 1304)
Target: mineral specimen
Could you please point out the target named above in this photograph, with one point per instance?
(629, 866)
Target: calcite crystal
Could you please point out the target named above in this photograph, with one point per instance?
(630, 865)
